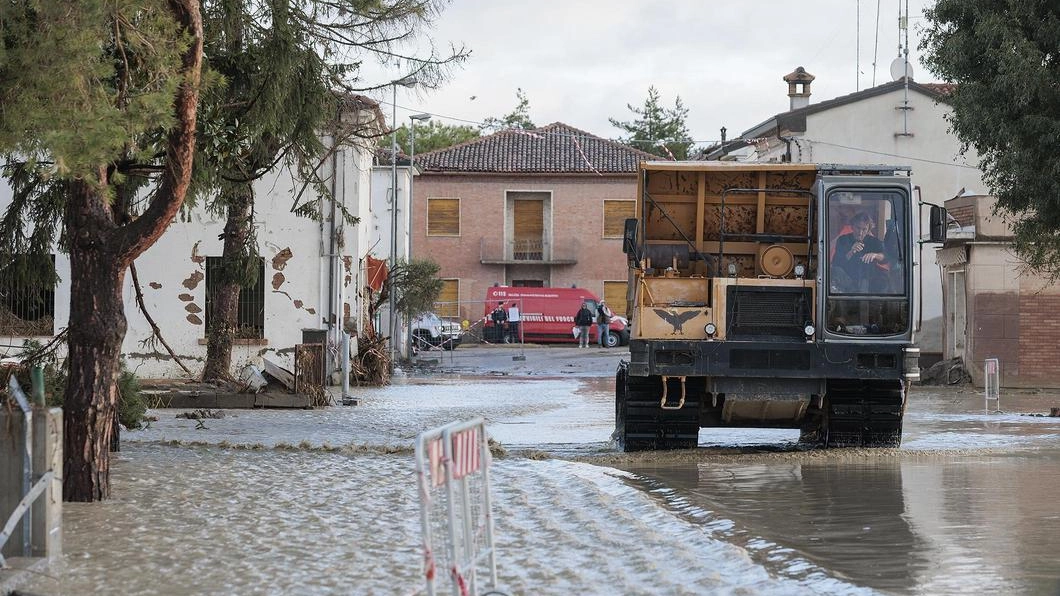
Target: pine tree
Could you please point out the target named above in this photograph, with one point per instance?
(97, 97)
(280, 93)
(656, 129)
(431, 136)
(519, 117)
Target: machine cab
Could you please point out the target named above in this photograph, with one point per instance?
(867, 269)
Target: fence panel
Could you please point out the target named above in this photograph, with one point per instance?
(452, 466)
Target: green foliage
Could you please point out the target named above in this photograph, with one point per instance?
(1005, 59)
(431, 136)
(656, 129)
(131, 404)
(416, 286)
(68, 106)
(87, 96)
(517, 118)
(275, 99)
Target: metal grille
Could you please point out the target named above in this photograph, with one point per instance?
(26, 309)
(762, 312)
(250, 322)
(528, 250)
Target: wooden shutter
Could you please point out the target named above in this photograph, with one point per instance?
(615, 295)
(529, 219)
(447, 303)
(529, 229)
(443, 217)
(615, 215)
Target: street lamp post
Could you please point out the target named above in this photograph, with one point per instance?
(412, 179)
(408, 81)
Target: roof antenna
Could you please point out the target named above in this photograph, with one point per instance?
(900, 69)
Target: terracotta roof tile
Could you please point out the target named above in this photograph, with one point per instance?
(553, 149)
(941, 88)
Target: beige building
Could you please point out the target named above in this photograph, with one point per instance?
(994, 308)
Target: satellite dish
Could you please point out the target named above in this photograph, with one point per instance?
(900, 68)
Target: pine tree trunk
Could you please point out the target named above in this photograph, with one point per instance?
(97, 314)
(100, 252)
(224, 306)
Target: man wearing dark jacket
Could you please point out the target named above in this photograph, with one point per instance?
(584, 321)
(603, 324)
(499, 318)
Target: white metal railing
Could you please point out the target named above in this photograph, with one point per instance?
(992, 384)
(30, 490)
(25, 511)
(452, 468)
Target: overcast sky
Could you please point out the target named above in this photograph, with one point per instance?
(581, 61)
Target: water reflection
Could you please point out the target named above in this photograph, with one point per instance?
(926, 525)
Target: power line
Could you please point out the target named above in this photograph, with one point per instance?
(903, 157)
(710, 142)
(483, 124)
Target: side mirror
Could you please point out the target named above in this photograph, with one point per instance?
(629, 238)
(937, 231)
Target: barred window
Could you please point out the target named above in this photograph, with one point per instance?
(27, 306)
(251, 319)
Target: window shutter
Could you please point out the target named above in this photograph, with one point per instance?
(615, 296)
(615, 215)
(443, 217)
(447, 304)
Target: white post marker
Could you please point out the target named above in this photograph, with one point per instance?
(992, 384)
(452, 468)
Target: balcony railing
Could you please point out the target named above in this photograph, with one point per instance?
(528, 252)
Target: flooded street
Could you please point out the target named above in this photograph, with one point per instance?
(325, 501)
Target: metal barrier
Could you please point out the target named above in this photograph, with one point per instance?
(25, 511)
(452, 468)
(31, 491)
(992, 384)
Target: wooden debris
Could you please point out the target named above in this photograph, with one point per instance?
(279, 373)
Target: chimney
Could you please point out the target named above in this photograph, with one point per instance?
(799, 87)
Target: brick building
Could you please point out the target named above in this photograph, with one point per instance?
(543, 207)
(993, 308)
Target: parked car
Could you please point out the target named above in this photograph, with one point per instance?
(431, 331)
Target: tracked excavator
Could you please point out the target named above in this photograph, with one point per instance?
(770, 295)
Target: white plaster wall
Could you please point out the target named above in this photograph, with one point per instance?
(865, 132)
(13, 345)
(172, 273)
(172, 276)
(380, 223)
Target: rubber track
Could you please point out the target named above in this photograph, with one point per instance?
(641, 425)
(864, 413)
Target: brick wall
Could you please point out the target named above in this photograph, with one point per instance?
(964, 214)
(994, 330)
(1039, 352)
(576, 216)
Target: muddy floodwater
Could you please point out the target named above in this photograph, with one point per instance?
(325, 501)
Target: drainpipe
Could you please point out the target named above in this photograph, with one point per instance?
(333, 244)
